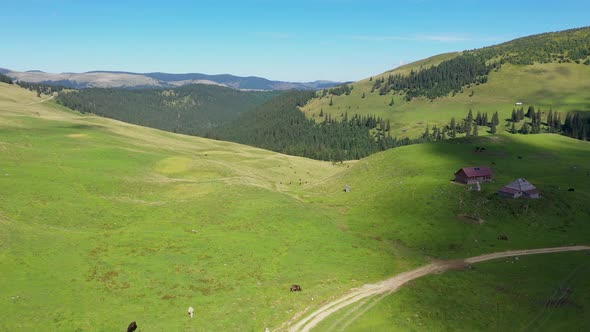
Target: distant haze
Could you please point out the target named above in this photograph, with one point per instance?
(110, 79)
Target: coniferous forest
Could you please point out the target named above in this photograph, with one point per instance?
(5, 79)
(280, 126)
(472, 67)
(190, 109)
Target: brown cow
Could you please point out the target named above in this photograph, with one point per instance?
(295, 288)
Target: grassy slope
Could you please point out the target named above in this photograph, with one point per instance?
(562, 87)
(503, 295)
(97, 221)
(140, 224)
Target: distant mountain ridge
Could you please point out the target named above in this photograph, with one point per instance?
(130, 80)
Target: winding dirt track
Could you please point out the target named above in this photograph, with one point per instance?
(40, 101)
(392, 284)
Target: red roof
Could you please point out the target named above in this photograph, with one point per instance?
(478, 171)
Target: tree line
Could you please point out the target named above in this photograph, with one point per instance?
(473, 67)
(5, 79)
(344, 89)
(437, 81)
(575, 124)
(190, 109)
(279, 125)
(40, 88)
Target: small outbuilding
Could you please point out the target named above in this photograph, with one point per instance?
(518, 188)
(473, 175)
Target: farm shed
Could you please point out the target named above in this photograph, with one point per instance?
(520, 187)
(472, 175)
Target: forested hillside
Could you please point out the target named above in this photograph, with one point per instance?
(472, 67)
(5, 79)
(280, 126)
(191, 109)
(550, 71)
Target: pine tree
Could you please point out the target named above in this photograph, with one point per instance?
(363, 96)
(493, 128)
(426, 134)
(525, 128)
(478, 119)
(388, 126)
(391, 102)
(496, 119)
(530, 112)
(331, 102)
(513, 129)
(467, 126)
(520, 114)
(475, 131)
(453, 128)
(321, 112)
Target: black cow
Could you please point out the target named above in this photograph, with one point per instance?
(132, 327)
(571, 189)
(295, 288)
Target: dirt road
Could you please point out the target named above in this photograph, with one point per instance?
(40, 101)
(392, 284)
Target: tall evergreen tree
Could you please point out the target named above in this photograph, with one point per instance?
(467, 126)
(530, 112)
(496, 118)
(525, 128)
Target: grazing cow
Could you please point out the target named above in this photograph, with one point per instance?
(571, 189)
(295, 288)
(191, 311)
(503, 237)
(132, 327)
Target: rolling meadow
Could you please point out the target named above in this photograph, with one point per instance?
(103, 223)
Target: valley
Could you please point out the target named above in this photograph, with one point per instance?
(150, 222)
(393, 166)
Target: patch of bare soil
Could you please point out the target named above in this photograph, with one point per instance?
(470, 218)
(77, 135)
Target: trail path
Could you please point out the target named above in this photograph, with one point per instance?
(42, 100)
(392, 284)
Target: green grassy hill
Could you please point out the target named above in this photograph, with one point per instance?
(529, 71)
(509, 294)
(103, 223)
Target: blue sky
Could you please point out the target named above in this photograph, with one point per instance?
(283, 40)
